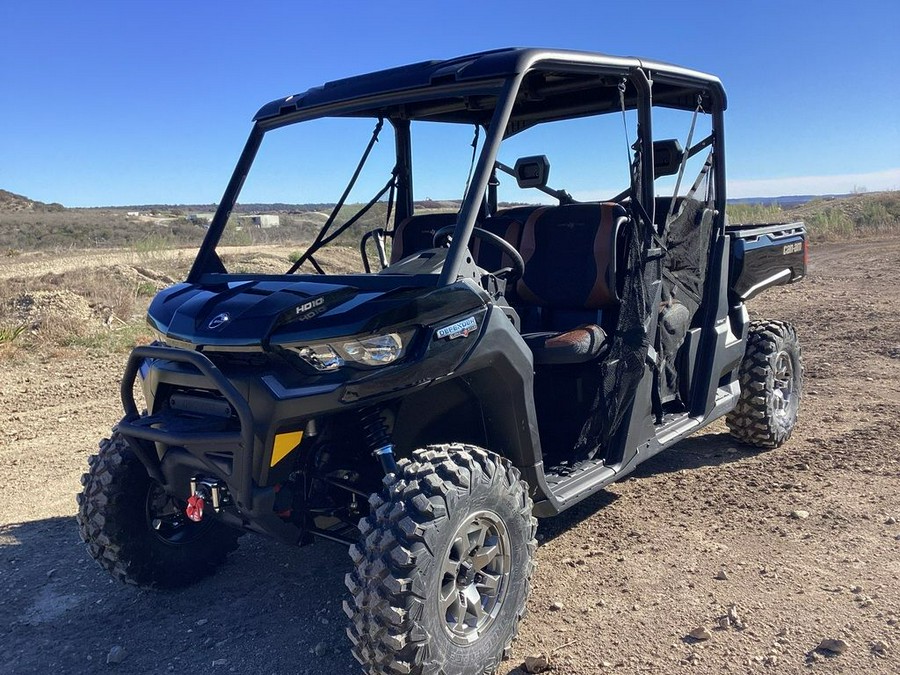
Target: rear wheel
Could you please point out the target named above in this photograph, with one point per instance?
(771, 377)
(443, 565)
(139, 533)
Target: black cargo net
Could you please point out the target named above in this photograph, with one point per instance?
(687, 237)
(683, 233)
(622, 369)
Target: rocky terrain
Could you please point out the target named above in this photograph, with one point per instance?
(710, 559)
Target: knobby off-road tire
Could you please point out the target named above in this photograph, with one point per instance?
(117, 510)
(453, 524)
(771, 377)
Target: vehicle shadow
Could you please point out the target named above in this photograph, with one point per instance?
(711, 449)
(270, 609)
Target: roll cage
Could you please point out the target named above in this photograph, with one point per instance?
(504, 92)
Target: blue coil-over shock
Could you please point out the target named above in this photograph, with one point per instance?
(378, 438)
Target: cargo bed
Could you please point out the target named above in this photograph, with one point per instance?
(763, 256)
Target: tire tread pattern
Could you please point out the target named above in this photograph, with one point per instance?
(109, 525)
(751, 421)
(387, 589)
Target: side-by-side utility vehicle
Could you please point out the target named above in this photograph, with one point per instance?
(422, 379)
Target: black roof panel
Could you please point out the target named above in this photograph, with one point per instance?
(495, 65)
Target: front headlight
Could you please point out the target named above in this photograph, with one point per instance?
(320, 357)
(379, 350)
(374, 351)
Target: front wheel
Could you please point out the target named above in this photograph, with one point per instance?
(137, 532)
(443, 567)
(771, 378)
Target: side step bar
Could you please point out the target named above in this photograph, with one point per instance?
(570, 484)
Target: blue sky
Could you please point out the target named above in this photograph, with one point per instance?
(110, 103)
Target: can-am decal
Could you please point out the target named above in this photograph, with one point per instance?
(218, 321)
(458, 329)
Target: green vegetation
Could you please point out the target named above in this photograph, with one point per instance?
(755, 213)
(831, 219)
(122, 339)
(10, 333)
(154, 244)
(26, 225)
(92, 228)
(145, 289)
(831, 223)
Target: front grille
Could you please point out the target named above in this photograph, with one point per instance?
(210, 404)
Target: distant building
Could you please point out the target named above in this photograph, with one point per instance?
(262, 222)
(255, 221)
(200, 218)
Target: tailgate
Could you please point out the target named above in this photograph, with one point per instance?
(763, 256)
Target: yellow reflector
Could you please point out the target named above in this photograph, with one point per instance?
(284, 443)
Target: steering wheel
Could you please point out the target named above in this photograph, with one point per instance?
(506, 273)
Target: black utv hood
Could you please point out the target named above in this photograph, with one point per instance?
(241, 313)
(246, 313)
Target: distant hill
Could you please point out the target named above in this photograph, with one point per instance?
(26, 224)
(786, 201)
(828, 218)
(10, 201)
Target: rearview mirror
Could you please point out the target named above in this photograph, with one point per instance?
(532, 172)
(667, 157)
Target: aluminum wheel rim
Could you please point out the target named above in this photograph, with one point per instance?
(784, 385)
(474, 577)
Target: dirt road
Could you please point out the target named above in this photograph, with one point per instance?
(803, 541)
(39, 263)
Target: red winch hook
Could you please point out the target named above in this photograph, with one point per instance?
(194, 510)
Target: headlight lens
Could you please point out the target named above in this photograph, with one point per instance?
(379, 350)
(321, 357)
(375, 351)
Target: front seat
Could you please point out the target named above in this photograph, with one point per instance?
(569, 280)
(416, 233)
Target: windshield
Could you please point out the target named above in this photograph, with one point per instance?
(298, 184)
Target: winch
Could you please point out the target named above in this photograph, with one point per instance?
(205, 491)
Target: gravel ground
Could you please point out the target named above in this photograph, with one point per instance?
(760, 556)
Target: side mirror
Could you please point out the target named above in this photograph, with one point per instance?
(532, 172)
(667, 157)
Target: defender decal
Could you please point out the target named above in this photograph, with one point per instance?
(458, 329)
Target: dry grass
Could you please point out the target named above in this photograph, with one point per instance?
(857, 216)
(83, 306)
(104, 307)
